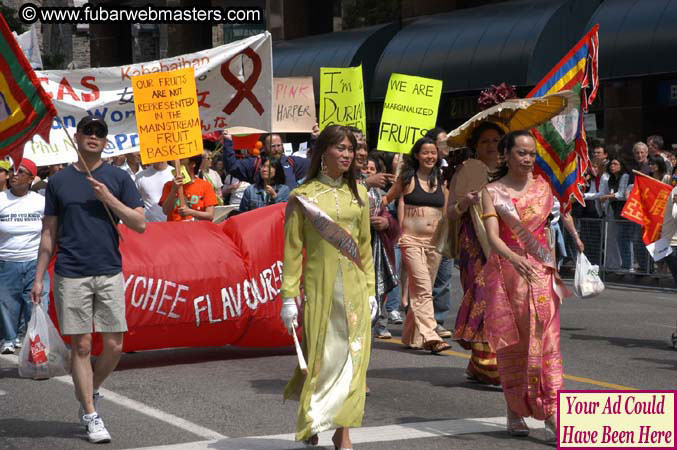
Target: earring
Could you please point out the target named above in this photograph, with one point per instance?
(323, 166)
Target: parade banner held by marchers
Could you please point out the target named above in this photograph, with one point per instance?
(409, 111)
(234, 88)
(293, 105)
(215, 285)
(342, 97)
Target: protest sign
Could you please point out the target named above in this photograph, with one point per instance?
(234, 89)
(167, 115)
(293, 105)
(342, 97)
(409, 111)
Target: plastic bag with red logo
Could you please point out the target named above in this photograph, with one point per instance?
(43, 354)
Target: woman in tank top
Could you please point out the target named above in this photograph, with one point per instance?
(420, 209)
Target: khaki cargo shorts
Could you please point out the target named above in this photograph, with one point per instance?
(98, 300)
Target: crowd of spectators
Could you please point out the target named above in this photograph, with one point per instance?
(613, 242)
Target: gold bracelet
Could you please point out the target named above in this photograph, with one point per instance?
(458, 209)
(486, 216)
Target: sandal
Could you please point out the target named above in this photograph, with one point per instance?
(551, 429)
(436, 347)
(312, 440)
(516, 425)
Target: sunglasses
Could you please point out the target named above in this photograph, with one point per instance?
(23, 172)
(96, 130)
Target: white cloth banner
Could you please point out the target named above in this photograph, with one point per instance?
(28, 41)
(234, 91)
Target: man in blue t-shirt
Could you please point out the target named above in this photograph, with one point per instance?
(88, 283)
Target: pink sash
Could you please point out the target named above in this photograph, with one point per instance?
(327, 228)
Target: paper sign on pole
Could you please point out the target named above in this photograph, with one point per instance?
(409, 111)
(167, 115)
(342, 97)
(293, 105)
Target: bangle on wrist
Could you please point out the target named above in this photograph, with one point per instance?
(457, 208)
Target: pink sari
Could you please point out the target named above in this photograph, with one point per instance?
(522, 318)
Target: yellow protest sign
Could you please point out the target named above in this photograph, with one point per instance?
(409, 111)
(342, 97)
(167, 115)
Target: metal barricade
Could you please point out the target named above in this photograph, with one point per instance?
(616, 247)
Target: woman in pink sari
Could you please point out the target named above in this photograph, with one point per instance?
(522, 316)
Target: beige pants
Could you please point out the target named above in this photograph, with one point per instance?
(96, 300)
(421, 262)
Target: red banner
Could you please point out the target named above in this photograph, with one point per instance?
(198, 284)
(646, 206)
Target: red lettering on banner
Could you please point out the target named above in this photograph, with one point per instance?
(243, 90)
(45, 82)
(85, 82)
(220, 122)
(66, 86)
(202, 99)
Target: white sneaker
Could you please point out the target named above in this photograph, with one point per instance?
(395, 317)
(7, 348)
(18, 342)
(81, 412)
(96, 430)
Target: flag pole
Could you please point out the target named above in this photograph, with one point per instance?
(89, 173)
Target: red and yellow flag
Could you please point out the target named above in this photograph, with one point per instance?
(25, 107)
(646, 205)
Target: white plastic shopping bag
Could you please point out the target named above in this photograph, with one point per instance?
(43, 354)
(586, 281)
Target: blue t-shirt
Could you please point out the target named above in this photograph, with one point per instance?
(87, 241)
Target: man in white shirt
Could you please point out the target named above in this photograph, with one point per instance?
(21, 212)
(134, 166)
(150, 182)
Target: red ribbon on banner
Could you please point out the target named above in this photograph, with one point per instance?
(244, 90)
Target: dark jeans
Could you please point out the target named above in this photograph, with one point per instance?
(671, 259)
(16, 282)
(442, 290)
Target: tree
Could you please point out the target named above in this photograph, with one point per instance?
(12, 18)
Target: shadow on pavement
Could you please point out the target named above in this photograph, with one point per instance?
(21, 428)
(259, 444)
(177, 356)
(436, 376)
(625, 342)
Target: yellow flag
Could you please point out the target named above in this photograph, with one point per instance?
(167, 115)
(342, 97)
(409, 111)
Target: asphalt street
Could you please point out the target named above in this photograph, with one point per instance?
(230, 398)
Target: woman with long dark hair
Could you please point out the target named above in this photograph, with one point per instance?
(328, 217)
(269, 186)
(523, 289)
(469, 327)
(421, 208)
(617, 183)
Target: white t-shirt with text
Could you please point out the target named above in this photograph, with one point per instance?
(20, 225)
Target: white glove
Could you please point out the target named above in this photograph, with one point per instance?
(289, 313)
(373, 306)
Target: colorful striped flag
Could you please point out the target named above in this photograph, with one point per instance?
(562, 149)
(25, 107)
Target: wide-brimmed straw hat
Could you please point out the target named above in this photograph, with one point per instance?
(517, 114)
